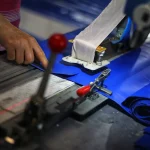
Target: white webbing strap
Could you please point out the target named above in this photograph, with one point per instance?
(90, 38)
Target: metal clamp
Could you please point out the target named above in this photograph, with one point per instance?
(99, 82)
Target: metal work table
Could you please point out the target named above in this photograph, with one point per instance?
(106, 129)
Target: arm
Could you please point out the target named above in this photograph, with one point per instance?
(20, 46)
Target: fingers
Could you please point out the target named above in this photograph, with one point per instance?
(40, 54)
(29, 56)
(21, 47)
(11, 54)
(20, 56)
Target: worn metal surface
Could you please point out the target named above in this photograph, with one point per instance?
(13, 75)
(19, 83)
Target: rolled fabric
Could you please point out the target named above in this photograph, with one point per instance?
(139, 108)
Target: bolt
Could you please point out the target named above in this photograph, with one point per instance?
(99, 63)
(40, 126)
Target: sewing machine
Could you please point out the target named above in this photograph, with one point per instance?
(131, 32)
(36, 116)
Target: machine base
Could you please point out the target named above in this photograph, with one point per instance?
(86, 65)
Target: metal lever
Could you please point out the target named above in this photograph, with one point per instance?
(57, 43)
(100, 80)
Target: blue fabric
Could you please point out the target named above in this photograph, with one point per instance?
(139, 108)
(147, 130)
(144, 142)
(130, 74)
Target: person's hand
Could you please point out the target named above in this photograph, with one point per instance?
(20, 46)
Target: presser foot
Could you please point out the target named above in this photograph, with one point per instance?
(89, 66)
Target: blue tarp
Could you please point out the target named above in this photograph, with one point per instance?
(144, 142)
(130, 74)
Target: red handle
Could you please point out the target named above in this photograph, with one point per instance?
(83, 90)
(57, 43)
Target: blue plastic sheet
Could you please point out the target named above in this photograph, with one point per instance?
(144, 142)
(139, 107)
(147, 130)
(130, 73)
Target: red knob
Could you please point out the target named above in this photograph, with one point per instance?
(57, 43)
(83, 90)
